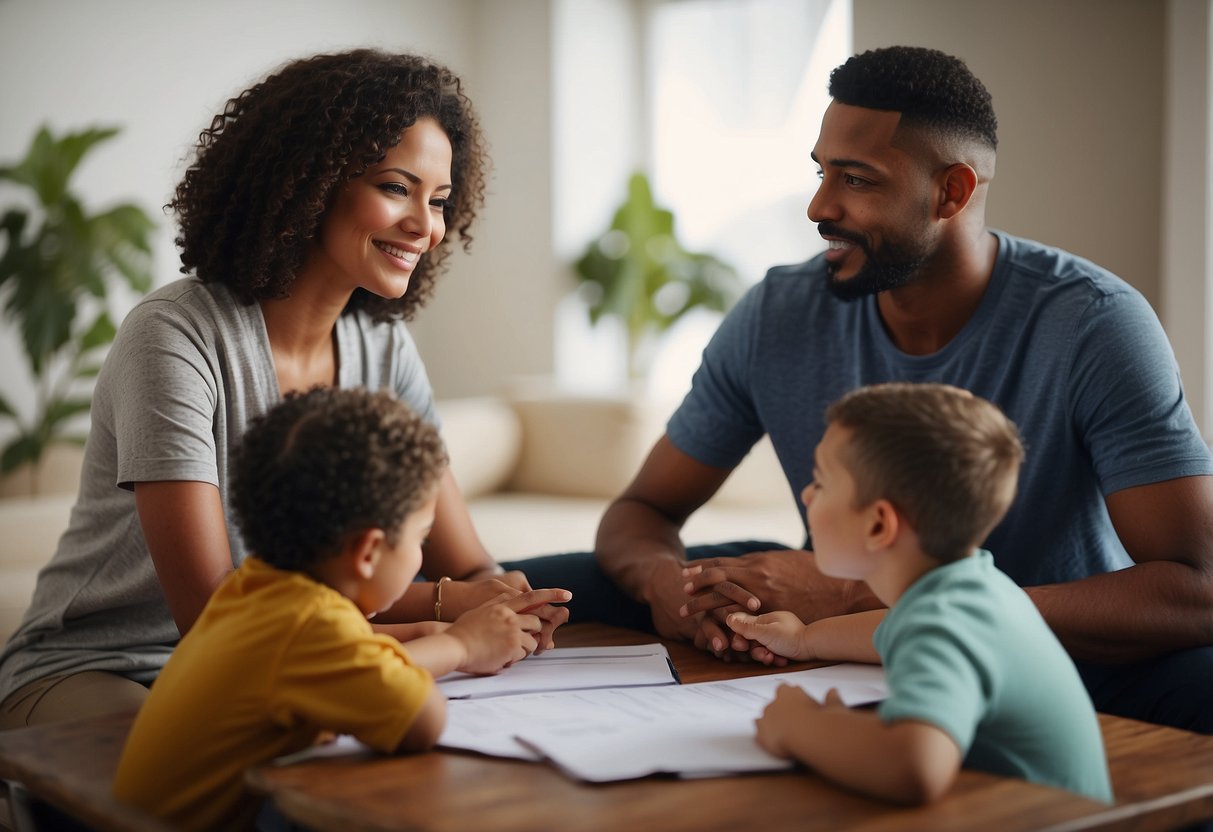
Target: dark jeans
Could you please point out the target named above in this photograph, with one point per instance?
(597, 598)
(1175, 690)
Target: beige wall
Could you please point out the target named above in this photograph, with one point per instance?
(492, 317)
(1078, 86)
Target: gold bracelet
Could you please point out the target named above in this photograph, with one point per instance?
(438, 597)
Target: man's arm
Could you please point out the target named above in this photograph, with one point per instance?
(638, 542)
(1164, 602)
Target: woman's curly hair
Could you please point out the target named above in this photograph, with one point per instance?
(327, 463)
(926, 86)
(270, 164)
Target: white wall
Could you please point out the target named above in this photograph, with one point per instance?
(1187, 211)
(492, 317)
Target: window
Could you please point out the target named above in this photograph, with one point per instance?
(731, 95)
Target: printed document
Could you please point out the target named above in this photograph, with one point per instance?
(700, 730)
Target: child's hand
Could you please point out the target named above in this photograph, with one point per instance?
(783, 715)
(781, 635)
(501, 632)
(463, 596)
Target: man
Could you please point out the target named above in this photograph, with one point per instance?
(1112, 533)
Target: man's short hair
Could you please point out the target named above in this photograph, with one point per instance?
(928, 87)
(946, 459)
(327, 463)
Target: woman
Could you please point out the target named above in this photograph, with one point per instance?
(313, 220)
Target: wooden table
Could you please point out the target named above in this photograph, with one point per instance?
(1162, 777)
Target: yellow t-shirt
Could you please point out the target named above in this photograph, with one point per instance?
(275, 659)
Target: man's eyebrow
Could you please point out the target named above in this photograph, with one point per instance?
(847, 163)
(414, 178)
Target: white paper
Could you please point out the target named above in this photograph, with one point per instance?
(569, 668)
(696, 730)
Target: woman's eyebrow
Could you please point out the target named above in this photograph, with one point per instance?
(414, 178)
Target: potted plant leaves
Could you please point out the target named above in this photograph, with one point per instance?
(58, 264)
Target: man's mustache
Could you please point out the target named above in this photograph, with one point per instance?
(827, 229)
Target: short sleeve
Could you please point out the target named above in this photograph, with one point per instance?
(932, 677)
(1128, 403)
(717, 422)
(340, 675)
(164, 395)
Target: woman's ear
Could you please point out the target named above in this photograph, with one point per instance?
(884, 524)
(956, 186)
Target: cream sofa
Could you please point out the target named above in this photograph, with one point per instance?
(537, 469)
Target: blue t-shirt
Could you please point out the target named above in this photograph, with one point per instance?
(1070, 352)
(964, 649)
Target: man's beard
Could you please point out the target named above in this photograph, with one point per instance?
(891, 266)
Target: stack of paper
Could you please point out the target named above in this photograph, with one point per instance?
(569, 668)
(616, 713)
(600, 735)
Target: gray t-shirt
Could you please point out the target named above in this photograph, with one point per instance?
(189, 369)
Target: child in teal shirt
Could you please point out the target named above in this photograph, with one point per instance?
(908, 480)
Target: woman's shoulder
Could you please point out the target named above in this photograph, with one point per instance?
(192, 304)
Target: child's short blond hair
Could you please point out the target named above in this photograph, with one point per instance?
(946, 459)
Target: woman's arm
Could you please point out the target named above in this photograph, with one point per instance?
(454, 550)
(186, 533)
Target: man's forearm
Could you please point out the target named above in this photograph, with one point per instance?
(1131, 614)
(633, 542)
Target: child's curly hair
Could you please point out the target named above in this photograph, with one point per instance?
(327, 463)
(268, 167)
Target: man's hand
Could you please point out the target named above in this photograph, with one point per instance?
(785, 579)
(665, 596)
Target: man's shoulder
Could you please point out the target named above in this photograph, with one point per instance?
(1052, 266)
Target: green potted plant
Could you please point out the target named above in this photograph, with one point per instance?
(639, 272)
(55, 274)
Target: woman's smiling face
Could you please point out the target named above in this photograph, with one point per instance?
(382, 222)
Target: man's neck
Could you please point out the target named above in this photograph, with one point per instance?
(926, 315)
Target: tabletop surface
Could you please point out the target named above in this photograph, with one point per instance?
(1162, 778)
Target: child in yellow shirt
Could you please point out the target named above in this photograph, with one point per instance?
(335, 492)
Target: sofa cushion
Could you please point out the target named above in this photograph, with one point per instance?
(483, 438)
(592, 446)
(583, 446)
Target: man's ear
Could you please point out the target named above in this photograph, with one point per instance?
(362, 550)
(957, 183)
(884, 524)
